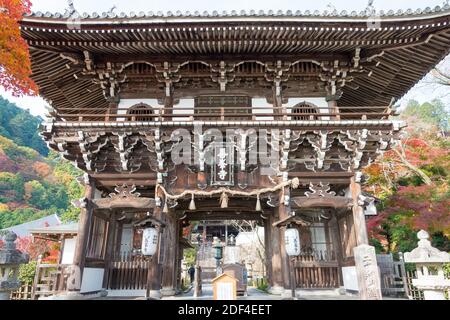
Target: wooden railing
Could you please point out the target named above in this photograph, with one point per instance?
(222, 114)
(317, 269)
(129, 274)
(50, 279)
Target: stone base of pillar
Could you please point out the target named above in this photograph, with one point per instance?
(168, 291)
(278, 290)
(287, 293)
(75, 295)
(4, 295)
(154, 295)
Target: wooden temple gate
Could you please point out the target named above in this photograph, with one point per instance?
(294, 159)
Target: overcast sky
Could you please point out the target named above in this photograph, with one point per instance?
(37, 105)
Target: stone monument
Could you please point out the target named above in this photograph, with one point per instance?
(367, 272)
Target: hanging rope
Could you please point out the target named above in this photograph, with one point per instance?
(225, 194)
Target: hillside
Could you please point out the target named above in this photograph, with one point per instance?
(21, 127)
(33, 181)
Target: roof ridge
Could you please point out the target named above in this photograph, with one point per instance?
(243, 13)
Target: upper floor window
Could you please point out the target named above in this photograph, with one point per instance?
(142, 112)
(305, 111)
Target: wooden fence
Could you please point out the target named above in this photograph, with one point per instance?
(23, 293)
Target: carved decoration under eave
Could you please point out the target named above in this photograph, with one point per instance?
(225, 74)
(90, 146)
(125, 197)
(168, 73)
(124, 145)
(321, 196)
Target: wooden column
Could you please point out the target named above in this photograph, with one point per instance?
(359, 219)
(170, 256)
(154, 272)
(283, 212)
(110, 247)
(277, 284)
(268, 249)
(337, 245)
(84, 224)
(332, 105)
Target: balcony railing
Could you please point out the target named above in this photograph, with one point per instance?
(221, 114)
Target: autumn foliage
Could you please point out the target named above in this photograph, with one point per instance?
(412, 183)
(15, 66)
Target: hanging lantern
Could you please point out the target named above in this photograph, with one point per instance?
(258, 203)
(192, 204)
(166, 208)
(224, 200)
(292, 241)
(149, 241)
(371, 209)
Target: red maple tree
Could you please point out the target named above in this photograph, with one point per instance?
(15, 66)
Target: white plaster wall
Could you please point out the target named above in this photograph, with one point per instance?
(68, 250)
(185, 104)
(350, 278)
(92, 280)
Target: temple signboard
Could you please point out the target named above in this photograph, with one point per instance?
(222, 168)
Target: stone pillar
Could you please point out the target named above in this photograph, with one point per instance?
(10, 260)
(169, 262)
(369, 283)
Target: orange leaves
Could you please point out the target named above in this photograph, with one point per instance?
(42, 169)
(15, 66)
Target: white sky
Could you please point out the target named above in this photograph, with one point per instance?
(37, 105)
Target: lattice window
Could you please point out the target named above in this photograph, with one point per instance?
(223, 107)
(97, 238)
(304, 111)
(142, 112)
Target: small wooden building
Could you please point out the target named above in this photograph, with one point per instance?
(224, 287)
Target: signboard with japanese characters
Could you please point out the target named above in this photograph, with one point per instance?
(222, 168)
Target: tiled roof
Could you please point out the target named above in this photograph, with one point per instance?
(244, 14)
(23, 230)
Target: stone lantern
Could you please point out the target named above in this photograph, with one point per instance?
(10, 259)
(429, 262)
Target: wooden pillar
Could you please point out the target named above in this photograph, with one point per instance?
(359, 219)
(84, 224)
(268, 249)
(283, 212)
(277, 284)
(337, 245)
(169, 261)
(333, 107)
(110, 247)
(154, 271)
